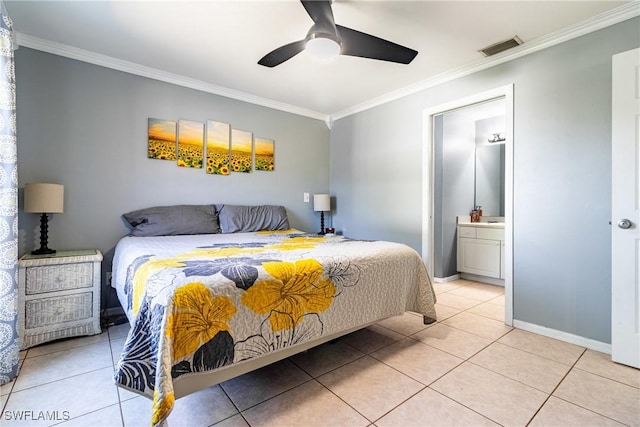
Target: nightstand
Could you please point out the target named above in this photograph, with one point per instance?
(59, 296)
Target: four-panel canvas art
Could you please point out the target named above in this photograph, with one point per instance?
(214, 146)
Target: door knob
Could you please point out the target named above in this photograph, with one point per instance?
(624, 223)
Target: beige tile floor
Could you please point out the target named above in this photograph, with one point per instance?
(467, 369)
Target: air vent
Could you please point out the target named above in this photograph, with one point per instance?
(501, 46)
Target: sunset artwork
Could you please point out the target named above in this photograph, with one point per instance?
(162, 139)
(241, 150)
(264, 153)
(218, 147)
(190, 144)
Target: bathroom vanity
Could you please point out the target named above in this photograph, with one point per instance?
(481, 249)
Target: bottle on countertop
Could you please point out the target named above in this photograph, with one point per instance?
(479, 209)
(474, 216)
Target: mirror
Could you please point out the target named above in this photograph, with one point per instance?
(489, 177)
(490, 165)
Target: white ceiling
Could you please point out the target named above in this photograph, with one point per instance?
(215, 45)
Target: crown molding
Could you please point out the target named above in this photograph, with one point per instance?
(614, 16)
(156, 74)
(627, 11)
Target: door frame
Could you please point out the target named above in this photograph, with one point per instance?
(428, 183)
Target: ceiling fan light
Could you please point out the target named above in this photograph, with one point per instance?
(323, 48)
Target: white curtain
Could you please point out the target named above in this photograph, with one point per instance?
(9, 343)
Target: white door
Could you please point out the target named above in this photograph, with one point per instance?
(625, 220)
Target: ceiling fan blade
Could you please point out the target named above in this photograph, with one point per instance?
(281, 54)
(322, 14)
(355, 43)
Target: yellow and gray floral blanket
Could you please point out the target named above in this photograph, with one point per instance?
(200, 303)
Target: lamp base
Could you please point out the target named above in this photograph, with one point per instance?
(43, 251)
(44, 228)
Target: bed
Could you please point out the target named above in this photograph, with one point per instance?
(209, 306)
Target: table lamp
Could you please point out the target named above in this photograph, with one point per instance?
(322, 204)
(44, 199)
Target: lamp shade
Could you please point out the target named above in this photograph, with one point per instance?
(43, 198)
(321, 202)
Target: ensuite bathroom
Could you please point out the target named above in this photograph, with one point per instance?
(469, 199)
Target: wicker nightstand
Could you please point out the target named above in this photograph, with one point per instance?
(59, 296)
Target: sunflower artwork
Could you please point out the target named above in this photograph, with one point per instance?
(161, 139)
(218, 147)
(241, 151)
(190, 144)
(265, 154)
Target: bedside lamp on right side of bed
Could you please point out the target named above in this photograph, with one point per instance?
(43, 198)
(322, 204)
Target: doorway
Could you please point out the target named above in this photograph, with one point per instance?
(432, 230)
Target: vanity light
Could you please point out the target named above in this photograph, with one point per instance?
(496, 137)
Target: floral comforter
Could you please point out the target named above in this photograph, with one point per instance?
(199, 303)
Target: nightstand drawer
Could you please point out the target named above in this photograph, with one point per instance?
(50, 278)
(50, 311)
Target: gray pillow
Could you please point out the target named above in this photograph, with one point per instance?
(173, 220)
(235, 218)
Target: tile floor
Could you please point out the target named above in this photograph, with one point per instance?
(467, 369)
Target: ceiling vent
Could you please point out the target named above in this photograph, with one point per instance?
(501, 46)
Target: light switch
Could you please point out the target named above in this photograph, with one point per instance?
(306, 197)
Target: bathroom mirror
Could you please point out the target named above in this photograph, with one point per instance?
(489, 178)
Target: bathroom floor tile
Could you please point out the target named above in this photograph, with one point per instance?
(457, 301)
(370, 387)
(601, 395)
(309, 404)
(527, 368)
(557, 412)
(550, 348)
(417, 360)
(499, 300)
(454, 341)
(443, 287)
(479, 389)
(488, 310)
(478, 291)
(478, 325)
(430, 408)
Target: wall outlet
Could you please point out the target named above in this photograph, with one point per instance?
(306, 197)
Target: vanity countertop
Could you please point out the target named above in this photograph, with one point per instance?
(496, 221)
(482, 224)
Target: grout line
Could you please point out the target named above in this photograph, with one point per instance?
(555, 388)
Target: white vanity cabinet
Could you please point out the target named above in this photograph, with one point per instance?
(481, 249)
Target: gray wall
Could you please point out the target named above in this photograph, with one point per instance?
(562, 168)
(85, 127)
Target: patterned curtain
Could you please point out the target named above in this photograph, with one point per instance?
(9, 343)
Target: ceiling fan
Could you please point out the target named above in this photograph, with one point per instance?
(326, 38)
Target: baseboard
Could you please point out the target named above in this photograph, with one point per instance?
(563, 336)
(446, 279)
(482, 279)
